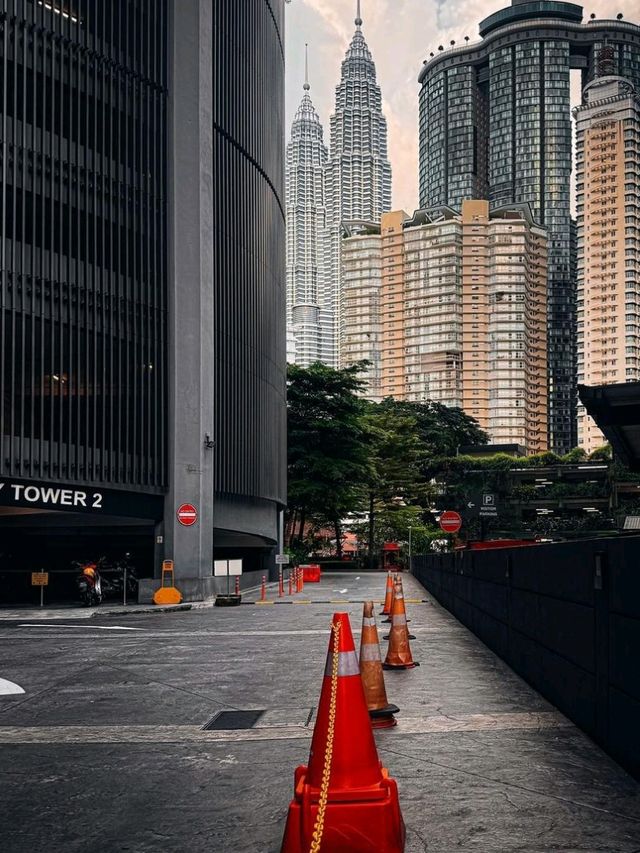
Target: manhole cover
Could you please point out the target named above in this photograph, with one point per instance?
(225, 720)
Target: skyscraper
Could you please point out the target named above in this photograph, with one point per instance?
(495, 123)
(608, 195)
(306, 221)
(358, 174)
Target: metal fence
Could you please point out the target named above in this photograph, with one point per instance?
(566, 617)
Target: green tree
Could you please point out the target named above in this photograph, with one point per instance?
(395, 452)
(328, 455)
(601, 454)
(443, 429)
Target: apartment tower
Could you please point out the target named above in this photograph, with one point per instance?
(608, 195)
(360, 325)
(495, 123)
(459, 313)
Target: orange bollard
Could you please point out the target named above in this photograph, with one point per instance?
(380, 711)
(263, 591)
(280, 583)
(290, 584)
(344, 800)
(399, 652)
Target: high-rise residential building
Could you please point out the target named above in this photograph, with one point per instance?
(392, 326)
(359, 307)
(142, 340)
(495, 123)
(608, 196)
(466, 297)
(504, 323)
(306, 159)
(432, 306)
(358, 174)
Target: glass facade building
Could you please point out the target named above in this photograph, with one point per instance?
(142, 253)
(506, 136)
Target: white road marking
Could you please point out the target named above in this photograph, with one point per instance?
(8, 688)
(84, 627)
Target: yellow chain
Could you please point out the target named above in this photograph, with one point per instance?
(318, 829)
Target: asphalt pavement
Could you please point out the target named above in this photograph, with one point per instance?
(105, 748)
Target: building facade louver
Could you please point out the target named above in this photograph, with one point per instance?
(495, 123)
(358, 174)
(142, 303)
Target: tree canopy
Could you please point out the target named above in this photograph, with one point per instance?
(349, 457)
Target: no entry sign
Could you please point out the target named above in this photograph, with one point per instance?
(187, 514)
(450, 521)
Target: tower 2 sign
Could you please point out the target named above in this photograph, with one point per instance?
(54, 496)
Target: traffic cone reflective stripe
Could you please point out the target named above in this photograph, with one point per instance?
(347, 664)
(380, 711)
(362, 809)
(399, 653)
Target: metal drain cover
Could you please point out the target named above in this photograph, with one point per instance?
(225, 720)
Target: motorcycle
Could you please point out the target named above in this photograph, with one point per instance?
(89, 583)
(120, 572)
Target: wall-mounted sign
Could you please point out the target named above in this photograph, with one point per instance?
(69, 497)
(187, 514)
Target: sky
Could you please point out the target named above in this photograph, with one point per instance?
(400, 35)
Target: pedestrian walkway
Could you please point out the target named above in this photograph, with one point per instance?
(483, 763)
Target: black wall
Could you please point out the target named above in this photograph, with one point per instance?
(249, 247)
(565, 617)
(83, 93)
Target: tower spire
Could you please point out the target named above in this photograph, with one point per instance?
(306, 86)
(358, 16)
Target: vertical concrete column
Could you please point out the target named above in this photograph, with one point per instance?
(190, 296)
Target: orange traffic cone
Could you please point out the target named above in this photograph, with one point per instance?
(393, 592)
(399, 652)
(388, 597)
(380, 711)
(344, 801)
(398, 579)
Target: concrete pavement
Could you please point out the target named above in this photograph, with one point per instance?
(105, 750)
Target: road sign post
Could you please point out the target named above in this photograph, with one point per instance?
(40, 579)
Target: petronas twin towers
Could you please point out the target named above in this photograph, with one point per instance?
(351, 181)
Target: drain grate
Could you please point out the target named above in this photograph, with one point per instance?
(226, 720)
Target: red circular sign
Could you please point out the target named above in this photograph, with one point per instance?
(450, 521)
(187, 514)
